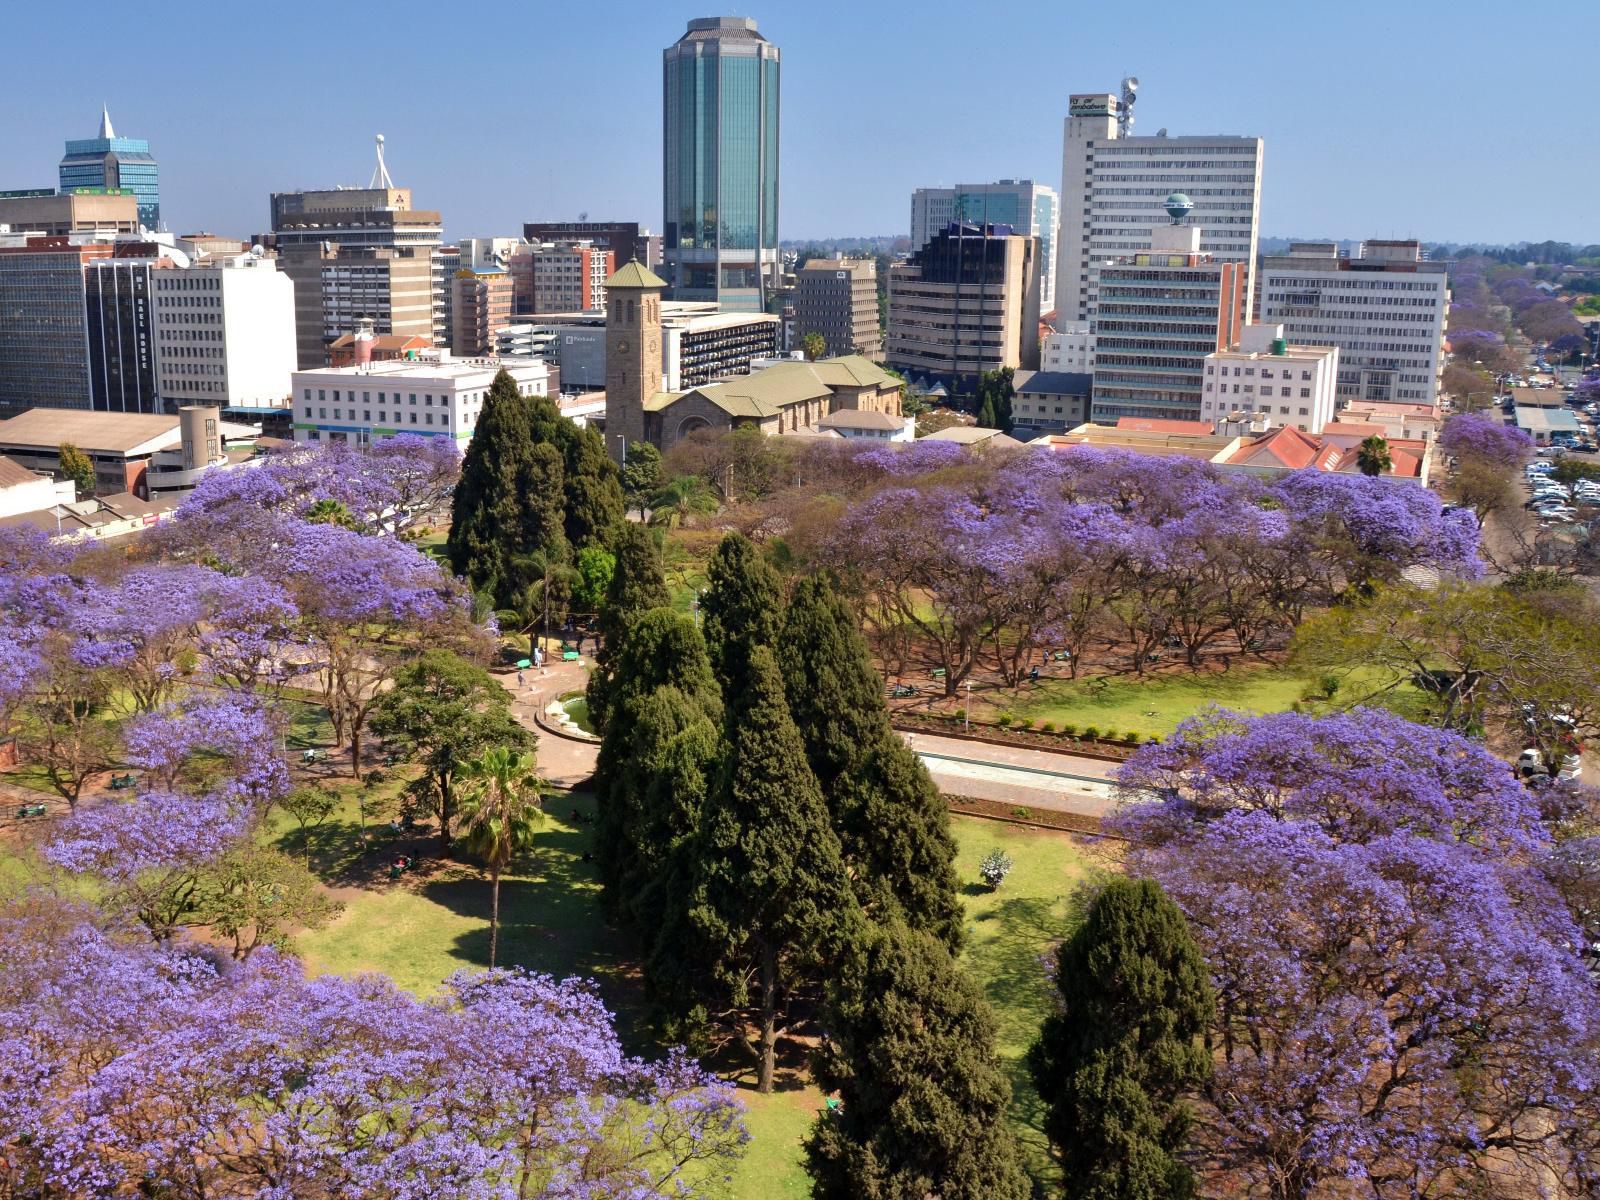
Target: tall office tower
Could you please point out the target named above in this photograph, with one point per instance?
(224, 334)
(966, 303)
(355, 253)
(1384, 309)
(1113, 189)
(624, 239)
(569, 277)
(446, 262)
(119, 318)
(1155, 315)
(121, 163)
(43, 327)
(838, 298)
(1026, 206)
(480, 310)
(720, 185)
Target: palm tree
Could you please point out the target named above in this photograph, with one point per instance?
(501, 812)
(1372, 458)
(681, 499)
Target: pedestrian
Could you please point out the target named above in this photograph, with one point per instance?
(538, 657)
(520, 682)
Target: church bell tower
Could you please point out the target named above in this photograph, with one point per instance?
(633, 352)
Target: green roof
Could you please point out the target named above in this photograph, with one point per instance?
(635, 275)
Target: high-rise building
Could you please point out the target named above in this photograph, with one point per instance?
(40, 210)
(966, 303)
(1113, 189)
(356, 253)
(120, 322)
(720, 177)
(446, 262)
(838, 299)
(43, 328)
(109, 162)
(1155, 315)
(224, 334)
(624, 239)
(482, 308)
(1026, 206)
(1384, 308)
(569, 276)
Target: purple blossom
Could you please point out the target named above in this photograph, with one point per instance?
(232, 730)
(1468, 435)
(155, 831)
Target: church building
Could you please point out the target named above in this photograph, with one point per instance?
(791, 397)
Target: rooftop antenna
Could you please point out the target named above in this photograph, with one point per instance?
(1130, 93)
(380, 173)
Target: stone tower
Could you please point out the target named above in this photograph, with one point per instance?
(633, 352)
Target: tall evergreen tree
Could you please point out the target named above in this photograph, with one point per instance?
(1113, 1063)
(771, 904)
(911, 1052)
(893, 826)
(637, 586)
(541, 544)
(595, 506)
(742, 608)
(486, 516)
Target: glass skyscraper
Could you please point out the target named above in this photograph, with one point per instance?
(1026, 206)
(720, 193)
(109, 161)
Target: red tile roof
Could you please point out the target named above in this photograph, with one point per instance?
(1162, 425)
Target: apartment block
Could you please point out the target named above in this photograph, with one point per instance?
(224, 334)
(1264, 375)
(481, 309)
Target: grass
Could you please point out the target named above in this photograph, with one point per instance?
(1153, 705)
(421, 929)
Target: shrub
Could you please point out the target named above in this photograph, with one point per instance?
(1069, 729)
(1131, 737)
(994, 868)
(1022, 814)
(1024, 722)
(1091, 733)
(1048, 727)
(1330, 686)
(1004, 719)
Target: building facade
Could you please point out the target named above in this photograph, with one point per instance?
(569, 276)
(224, 334)
(1026, 206)
(1264, 374)
(1068, 348)
(119, 318)
(109, 162)
(44, 334)
(624, 239)
(720, 164)
(966, 303)
(435, 396)
(43, 211)
(1113, 189)
(482, 308)
(837, 298)
(1384, 309)
(1051, 401)
(355, 253)
(1155, 316)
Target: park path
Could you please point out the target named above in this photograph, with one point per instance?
(1046, 779)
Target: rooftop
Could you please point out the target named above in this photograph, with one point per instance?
(427, 368)
(635, 275)
(14, 474)
(854, 418)
(1053, 383)
(1157, 442)
(972, 435)
(1546, 420)
(1164, 425)
(93, 432)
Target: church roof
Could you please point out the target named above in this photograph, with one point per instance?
(853, 370)
(635, 275)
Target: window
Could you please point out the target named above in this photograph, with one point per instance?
(1305, 375)
(1284, 410)
(382, 416)
(366, 413)
(1305, 412)
(308, 410)
(321, 395)
(308, 396)
(429, 416)
(413, 415)
(322, 414)
(1305, 393)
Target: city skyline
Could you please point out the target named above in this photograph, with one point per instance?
(1378, 143)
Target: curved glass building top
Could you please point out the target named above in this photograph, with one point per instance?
(720, 154)
(109, 162)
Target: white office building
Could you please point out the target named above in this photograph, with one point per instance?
(1029, 208)
(1384, 307)
(1067, 348)
(224, 334)
(1113, 192)
(436, 396)
(1264, 374)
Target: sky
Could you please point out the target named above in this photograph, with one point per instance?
(1448, 120)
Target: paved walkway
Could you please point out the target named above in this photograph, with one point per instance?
(1008, 774)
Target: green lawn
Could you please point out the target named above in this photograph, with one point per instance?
(420, 930)
(1155, 704)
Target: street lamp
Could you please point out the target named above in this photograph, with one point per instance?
(966, 713)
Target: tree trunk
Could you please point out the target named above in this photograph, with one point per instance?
(769, 1020)
(355, 749)
(494, 915)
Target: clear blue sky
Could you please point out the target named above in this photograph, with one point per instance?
(1463, 120)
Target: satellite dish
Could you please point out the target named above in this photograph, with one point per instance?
(256, 251)
(1131, 83)
(583, 216)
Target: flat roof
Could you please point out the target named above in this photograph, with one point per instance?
(422, 368)
(1053, 383)
(853, 418)
(98, 432)
(1546, 420)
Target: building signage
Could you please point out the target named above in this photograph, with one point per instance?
(1092, 106)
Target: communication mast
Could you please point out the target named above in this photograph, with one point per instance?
(1130, 93)
(380, 173)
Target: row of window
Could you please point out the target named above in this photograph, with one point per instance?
(1266, 372)
(383, 416)
(1266, 390)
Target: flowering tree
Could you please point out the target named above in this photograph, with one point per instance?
(124, 1068)
(1398, 998)
(227, 742)
(1472, 436)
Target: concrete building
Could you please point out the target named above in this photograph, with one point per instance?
(366, 345)
(1026, 206)
(1384, 309)
(1051, 401)
(446, 263)
(354, 253)
(42, 211)
(569, 276)
(624, 239)
(966, 303)
(25, 491)
(838, 299)
(148, 454)
(698, 344)
(1409, 422)
(869, 425)
(224, 334)
(1155, 315)
(1113, 188)
(1548, 426)
(1067, 348)
(1291, 385)
(437, 395)
(44, 333)
(119, 312)
(107, 162)
(720, 164)
(481, 310)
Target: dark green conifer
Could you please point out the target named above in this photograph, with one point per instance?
(486, 503)
(742, 608)
(637, 586)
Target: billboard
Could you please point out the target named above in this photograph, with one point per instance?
(1098, 105)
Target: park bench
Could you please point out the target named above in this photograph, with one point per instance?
(310, 756)
(937, 673)
(901, 690)
(400, 866)
(32, 810)
(118, 782)
(1062, 656)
